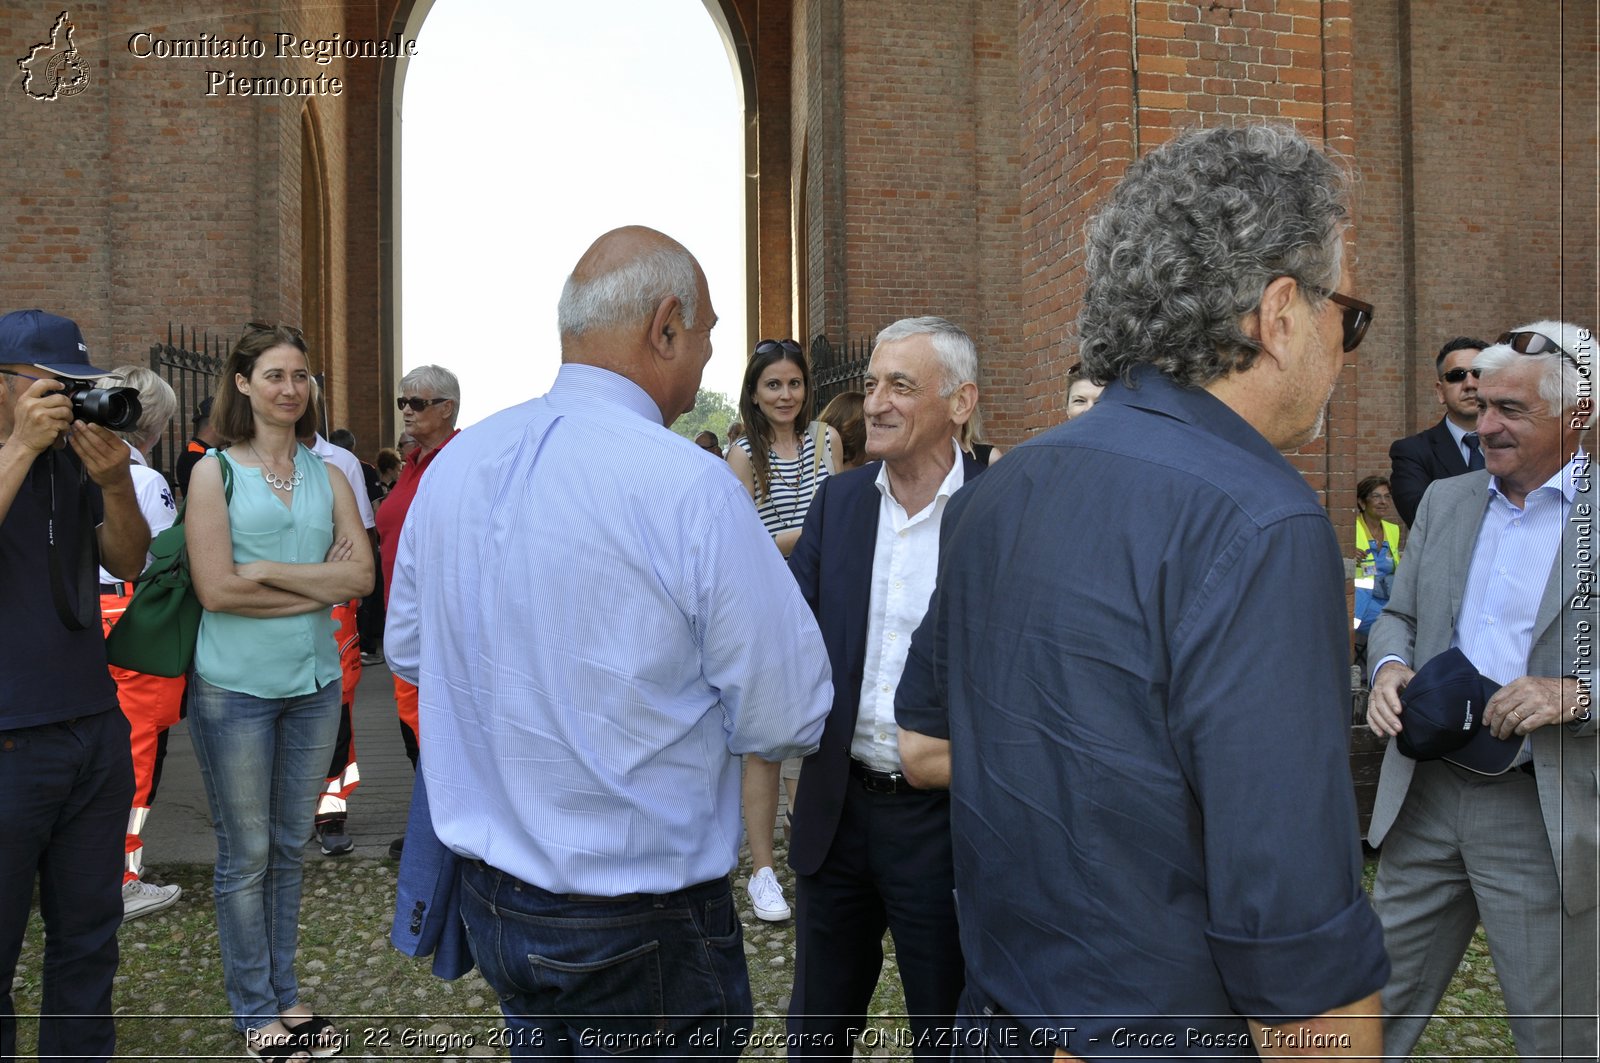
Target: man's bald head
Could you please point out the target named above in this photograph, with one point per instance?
(637, 304)
(623, 277)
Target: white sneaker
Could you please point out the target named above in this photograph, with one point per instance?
(766, 896)
(142, 898)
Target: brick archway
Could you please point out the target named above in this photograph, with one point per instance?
(730, 19)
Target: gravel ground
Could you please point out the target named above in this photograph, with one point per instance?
(170, 999)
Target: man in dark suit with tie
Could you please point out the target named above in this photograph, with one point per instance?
(1450, 447)
(870, 849)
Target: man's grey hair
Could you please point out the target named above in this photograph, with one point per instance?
(437, 379)
(1190, 239)
(630, 293)
(1562, 381)
(958, 355)
(158, 403)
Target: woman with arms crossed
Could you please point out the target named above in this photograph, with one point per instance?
(268, 563)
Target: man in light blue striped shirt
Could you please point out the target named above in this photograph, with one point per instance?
(599, 628)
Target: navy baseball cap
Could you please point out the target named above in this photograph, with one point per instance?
(45, 341)
(202, 410)
(1443, 717)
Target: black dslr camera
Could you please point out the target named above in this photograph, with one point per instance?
(116, 408)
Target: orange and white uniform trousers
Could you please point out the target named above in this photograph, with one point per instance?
(405, 704)
(343, 774)
(152, 704)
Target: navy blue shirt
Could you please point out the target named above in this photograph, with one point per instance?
(50, 672)
(1138, 651)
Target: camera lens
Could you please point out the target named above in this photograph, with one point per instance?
(116, 408)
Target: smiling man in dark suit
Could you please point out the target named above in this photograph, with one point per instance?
(871, 850)
(1450, 447)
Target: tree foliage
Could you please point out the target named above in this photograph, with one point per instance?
(712, 412)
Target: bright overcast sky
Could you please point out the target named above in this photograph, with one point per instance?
(529, 130)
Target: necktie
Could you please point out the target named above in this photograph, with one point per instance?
(1474, 455)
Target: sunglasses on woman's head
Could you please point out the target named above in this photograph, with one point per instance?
(769, 346)
(261, 326)
(417, 405)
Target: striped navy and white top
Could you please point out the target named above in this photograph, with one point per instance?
(783, 505)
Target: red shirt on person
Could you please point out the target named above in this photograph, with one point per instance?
(392, 514)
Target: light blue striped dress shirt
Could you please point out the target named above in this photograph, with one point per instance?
(1511, 564)
(598, 625)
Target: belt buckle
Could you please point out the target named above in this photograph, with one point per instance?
(883, 782)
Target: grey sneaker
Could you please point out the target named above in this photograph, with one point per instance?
(766, 897)
(335, 842)
(141, 898)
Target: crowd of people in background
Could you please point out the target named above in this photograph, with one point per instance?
(1090, 775)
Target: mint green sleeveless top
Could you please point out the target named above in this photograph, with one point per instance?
(281, 656)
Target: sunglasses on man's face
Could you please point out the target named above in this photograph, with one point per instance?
(1534, 343)
(1456, 376)
(417, 405)
(1357, 315)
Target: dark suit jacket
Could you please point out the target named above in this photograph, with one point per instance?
(1416, 461)
(832, 562)
(427, 909)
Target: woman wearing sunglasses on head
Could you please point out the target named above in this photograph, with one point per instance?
(275, 540)
(430, 400)
(781, 459)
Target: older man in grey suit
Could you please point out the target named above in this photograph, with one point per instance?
(1501, 564)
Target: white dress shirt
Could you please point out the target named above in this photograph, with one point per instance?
(350, 465)
(598, 626)
(1511, 564)
(156, 503)
(905, 561)
(1459, 434)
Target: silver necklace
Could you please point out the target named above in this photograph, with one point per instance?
(274, 481)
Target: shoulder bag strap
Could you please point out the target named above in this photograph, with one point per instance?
(88, 605)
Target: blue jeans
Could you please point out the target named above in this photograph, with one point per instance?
(263, 762)
(653, 976)
(65, 790)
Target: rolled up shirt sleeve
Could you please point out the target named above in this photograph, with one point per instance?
(1260, 720)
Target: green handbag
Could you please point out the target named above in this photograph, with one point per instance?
(157, 632)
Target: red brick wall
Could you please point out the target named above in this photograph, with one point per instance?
(910, 193)
(1077, 138)
(1099, 88)
(909, 146)
(1479, 179)
(1390, 356)
(950, 151)
(140, 201)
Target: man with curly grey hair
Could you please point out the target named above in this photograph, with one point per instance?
(1154, 828)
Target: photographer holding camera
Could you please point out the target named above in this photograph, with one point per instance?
(66, 776)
